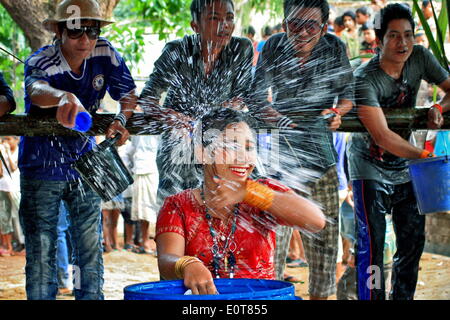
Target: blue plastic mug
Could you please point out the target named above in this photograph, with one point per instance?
(83, 122)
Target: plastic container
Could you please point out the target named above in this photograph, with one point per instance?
(230, 289)
(431, 181)
(104, 171)
(83, 122)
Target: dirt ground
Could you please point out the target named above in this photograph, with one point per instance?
(125, 268)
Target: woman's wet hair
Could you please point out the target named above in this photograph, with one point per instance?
(391, 12)
(219, 119)
(198, 6)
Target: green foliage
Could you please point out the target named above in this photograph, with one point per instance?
(162, 17)
(129, 41)
(436, 44)
(13, 40)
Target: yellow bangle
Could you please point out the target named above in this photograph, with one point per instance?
(259, 195)
(182, 263)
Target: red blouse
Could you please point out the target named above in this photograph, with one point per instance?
(254, 238)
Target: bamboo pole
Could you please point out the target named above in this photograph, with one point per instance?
(26, 125)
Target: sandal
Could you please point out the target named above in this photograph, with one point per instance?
(141, 250)
(298, 263)
(129, 247)
(292, 279)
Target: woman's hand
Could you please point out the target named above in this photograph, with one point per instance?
(227, 193)
(199, 279)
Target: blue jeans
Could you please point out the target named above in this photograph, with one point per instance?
(39, 213)
(62, 252)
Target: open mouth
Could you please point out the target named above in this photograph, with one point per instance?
(402, 51)
(240, 171)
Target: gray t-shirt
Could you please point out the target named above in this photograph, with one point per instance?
(375, 88)
(180, 71)
(307, 90)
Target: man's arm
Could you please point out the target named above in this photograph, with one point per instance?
(127, 106)
(345, 84)
(435, 118)
(259, 94)
(159, 82)
(7, 103)
(375, 122)
(45, 96)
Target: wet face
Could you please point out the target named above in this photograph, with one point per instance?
(349, 23)
(216, 23)
(398, 42)
(78, 48)
(369, 35)
(304, 28)
(232, 155)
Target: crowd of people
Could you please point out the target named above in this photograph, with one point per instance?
(330, 202)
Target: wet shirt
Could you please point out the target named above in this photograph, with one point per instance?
(51, 157)
(6, 91)
(253, 243)
(307, 90)
(179, 71)
(377, 89)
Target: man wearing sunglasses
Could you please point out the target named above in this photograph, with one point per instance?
(62, 79)
(309, 75)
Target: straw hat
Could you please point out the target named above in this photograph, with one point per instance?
(67, 11)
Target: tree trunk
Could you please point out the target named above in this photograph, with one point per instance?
(29, 15)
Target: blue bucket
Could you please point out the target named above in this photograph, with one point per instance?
(431, 182)
(230, 289)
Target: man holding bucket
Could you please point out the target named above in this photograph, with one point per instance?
(378, 160)
(63, 79)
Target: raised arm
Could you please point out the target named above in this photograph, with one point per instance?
(288, 207)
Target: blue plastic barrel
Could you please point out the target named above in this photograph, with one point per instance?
(230, 289)
(431, 181)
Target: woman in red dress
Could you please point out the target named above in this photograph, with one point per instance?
(226, 228)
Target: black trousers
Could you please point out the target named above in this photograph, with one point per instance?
(373, 200)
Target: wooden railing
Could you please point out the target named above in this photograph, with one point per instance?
(140, 124)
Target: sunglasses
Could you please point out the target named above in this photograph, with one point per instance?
(92, 32)
(310, 26)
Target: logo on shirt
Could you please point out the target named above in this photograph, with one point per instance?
(99, 82)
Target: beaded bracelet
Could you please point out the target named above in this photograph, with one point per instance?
(259, 195)
(121, 118)
(182, 263)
